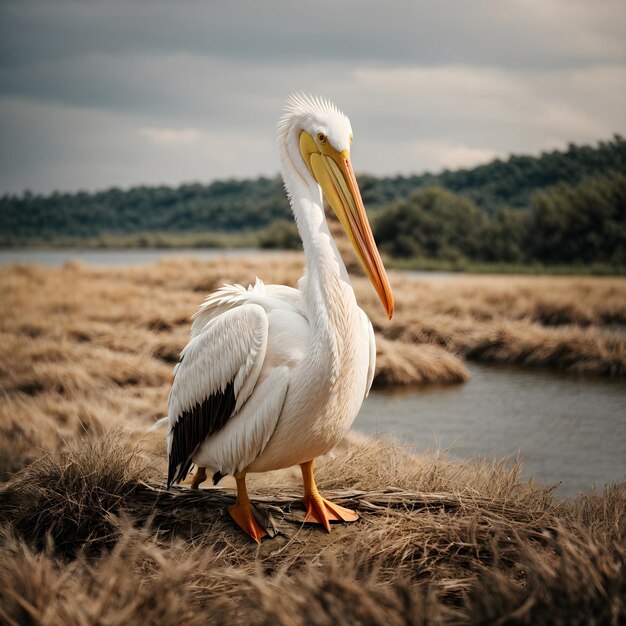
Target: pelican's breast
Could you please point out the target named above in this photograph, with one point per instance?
(327, 387)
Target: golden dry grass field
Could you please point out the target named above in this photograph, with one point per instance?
(89, 536)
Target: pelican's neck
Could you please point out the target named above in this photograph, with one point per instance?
(325, 284)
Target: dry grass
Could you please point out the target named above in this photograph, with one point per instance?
(569, 323)
(86, 356)
(469, 543)
(409, 363)
(83, 349)
(70, 496)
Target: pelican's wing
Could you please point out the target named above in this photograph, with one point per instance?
(372, 364)
(217, 372)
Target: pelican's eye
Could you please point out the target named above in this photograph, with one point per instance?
(350, 138)
(321, 137)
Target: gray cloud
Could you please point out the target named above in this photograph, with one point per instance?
(116, 93)
(517, 33)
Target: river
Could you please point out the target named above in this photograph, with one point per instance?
(564, 427)
(111, 257)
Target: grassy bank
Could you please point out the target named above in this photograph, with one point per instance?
(89, 537)
(531, 269)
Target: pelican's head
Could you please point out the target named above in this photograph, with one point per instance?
(325, 138)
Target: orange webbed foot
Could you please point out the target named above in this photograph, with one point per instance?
(243, 511)
(245, 519)
(318, 509)
(321, 511)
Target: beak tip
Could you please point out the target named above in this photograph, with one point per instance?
(389, 306)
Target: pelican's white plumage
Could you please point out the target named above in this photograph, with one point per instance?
(286, 368)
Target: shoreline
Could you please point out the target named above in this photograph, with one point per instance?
(246, 244)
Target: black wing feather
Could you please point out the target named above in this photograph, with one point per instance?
(194, 426)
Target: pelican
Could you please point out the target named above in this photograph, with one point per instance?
(274, 376)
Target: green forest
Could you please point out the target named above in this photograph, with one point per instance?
(560, 208)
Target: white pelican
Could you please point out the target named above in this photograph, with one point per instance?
(274, 376)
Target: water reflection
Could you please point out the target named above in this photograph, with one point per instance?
(564, 427)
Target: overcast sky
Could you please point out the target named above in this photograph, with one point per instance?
(100, 93)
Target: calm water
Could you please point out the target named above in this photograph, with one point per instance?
(55, 258)
(563, 427)
(110, 257)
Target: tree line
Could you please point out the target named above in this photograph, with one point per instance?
(582, 223)
(561, 207)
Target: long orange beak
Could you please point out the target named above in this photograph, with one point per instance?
(333, 172)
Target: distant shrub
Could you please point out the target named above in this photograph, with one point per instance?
(583, 223)
(281, 234)
(433, 222)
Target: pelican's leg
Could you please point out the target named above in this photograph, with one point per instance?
(319, 509)
(242, 511)
(199, 477)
